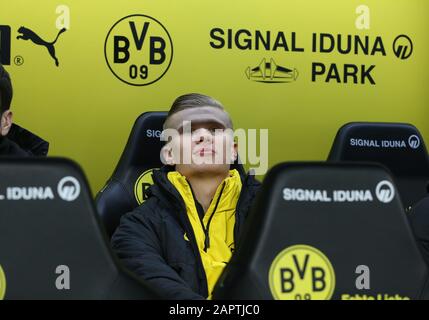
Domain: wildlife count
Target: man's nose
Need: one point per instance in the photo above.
(203, 135)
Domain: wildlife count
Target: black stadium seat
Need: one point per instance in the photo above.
(124, 191)
(51, 243)
(314, 230)
(399, 147)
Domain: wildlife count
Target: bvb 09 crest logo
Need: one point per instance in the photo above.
(301, 272)
(138, 50)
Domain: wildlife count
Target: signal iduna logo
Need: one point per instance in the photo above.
(385, 191)
(301, 272)
(138, 50)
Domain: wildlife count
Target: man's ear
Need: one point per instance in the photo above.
(167, 157)
(6, 122)
(234, 153)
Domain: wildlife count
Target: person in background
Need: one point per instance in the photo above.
(14, 140)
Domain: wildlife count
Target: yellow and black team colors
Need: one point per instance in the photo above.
(171, 243)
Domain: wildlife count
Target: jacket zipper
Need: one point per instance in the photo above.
(207, 229)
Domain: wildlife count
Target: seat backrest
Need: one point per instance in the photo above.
(125, 190)
(51, 243)
(397, 146)
(322, 231)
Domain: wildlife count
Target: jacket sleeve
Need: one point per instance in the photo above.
(137, 245)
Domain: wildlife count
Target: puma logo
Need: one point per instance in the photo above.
(27, 34)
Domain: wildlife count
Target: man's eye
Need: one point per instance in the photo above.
(218, 130)
(213, 130)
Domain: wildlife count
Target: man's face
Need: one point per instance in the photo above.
(203, 147)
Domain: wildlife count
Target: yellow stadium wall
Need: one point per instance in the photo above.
(86, 112)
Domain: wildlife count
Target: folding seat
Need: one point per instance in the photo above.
(125, 190)
(326, 231)
(52, 245)
(398, 146)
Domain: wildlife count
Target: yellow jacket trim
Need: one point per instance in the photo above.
(221, 228)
